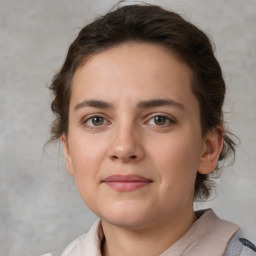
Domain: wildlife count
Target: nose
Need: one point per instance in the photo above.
(126, 145)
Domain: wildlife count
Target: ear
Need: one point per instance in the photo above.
(212, 146)
(67, 154)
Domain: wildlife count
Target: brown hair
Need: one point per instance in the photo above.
(150, 23)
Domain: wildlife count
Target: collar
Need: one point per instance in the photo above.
(88, 244)
(209, 235)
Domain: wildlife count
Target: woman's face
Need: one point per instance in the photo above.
(134, 142)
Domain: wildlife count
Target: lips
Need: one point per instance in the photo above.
(126, 183)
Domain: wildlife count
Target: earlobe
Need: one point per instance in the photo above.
(212, 147)
(68, 159)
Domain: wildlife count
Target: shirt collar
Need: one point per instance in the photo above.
(209, 235)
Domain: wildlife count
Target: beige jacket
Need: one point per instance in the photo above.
(208, 236)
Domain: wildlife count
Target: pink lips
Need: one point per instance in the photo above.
(126, 183)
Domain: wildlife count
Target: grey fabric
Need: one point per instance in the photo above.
(239, 245)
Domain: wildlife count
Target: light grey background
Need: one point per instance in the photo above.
(40, 210)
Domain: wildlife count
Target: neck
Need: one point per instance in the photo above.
(152, 240)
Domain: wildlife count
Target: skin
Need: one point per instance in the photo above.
(160, 142)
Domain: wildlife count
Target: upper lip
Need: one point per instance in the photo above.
(126, 178)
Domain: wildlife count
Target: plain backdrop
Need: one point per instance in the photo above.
(40, 209)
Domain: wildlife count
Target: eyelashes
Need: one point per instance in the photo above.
(98, 121)
(95, 121)
(160, 120)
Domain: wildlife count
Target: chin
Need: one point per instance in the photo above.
(126, 218)
(131, 223)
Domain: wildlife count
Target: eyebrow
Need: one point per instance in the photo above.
(93, 104)
(142, 104)
(159, 103)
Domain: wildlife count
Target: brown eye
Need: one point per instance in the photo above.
(97, 120)
(160, 120)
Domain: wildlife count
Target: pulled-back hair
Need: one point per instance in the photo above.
(150, 23)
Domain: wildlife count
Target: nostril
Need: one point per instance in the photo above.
(116, 157)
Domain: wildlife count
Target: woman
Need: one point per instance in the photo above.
(138, 106)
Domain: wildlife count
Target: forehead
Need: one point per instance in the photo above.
(134, 69)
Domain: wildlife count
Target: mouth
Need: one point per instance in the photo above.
(126, 183)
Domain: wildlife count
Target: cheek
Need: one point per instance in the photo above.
(85, 151)
(178, 152)
(87, 157)
(177, 159)
(177, 171)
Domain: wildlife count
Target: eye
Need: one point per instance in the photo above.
(95, 121)
(160, 120)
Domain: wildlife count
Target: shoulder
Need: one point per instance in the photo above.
(233, 240)
(241, 244)
(73, 248)
(87, 244)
